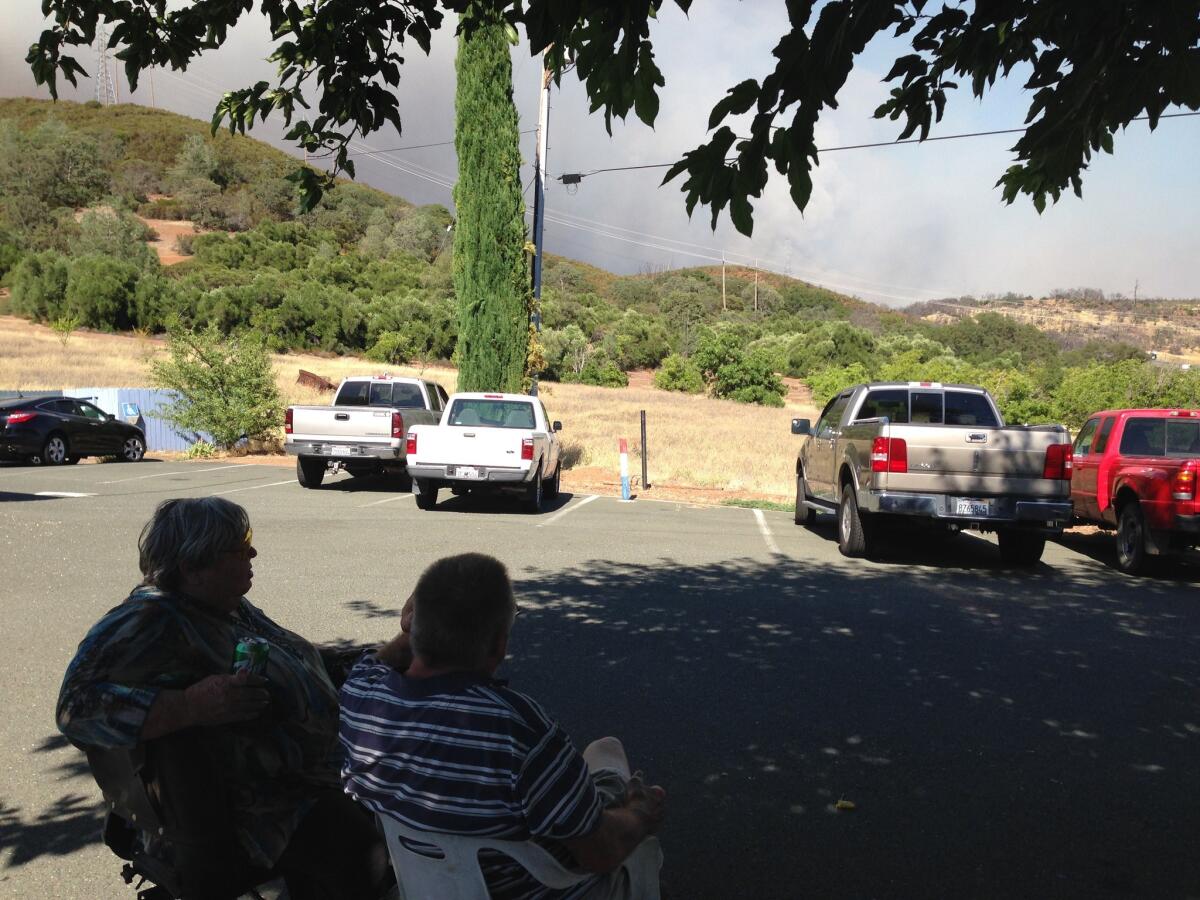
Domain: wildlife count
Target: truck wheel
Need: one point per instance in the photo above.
(853, 536)
(426, 493)
(1021, 548)
(553, 484)
(804, 516)
(534, 494)
(1131, 539)
(310, 471)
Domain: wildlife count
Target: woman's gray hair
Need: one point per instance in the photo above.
(188, 533)
(461, 606)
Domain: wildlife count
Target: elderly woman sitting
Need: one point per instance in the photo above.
(161, 664)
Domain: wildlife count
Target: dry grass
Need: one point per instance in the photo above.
(693, 441)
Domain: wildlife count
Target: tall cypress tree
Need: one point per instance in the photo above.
(491, 271)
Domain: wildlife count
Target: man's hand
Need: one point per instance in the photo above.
(221, 699)
(648, 802)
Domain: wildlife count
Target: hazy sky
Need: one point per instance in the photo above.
(893, 224)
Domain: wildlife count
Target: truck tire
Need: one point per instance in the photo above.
(534, 494)
(853, 534)
(425, 492)
(1021, 548)
(1132, 558)
(554, 483)
(310, 471)
(804, 515)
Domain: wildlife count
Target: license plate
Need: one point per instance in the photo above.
(981, 508)
(469, 472)
(340, 450)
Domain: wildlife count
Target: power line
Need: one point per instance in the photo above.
(574, 177)
(423, 146)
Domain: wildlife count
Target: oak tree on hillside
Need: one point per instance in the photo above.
(1091, 69)
(491, 273)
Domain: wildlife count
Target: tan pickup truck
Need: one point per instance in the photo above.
(937, 452)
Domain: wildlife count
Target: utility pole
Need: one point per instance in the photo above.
(539, 202)
(723, 306)
(1136, 284)
(105, 94)
(756, 284)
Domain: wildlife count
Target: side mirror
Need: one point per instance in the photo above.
(801, 426)
(557, 426)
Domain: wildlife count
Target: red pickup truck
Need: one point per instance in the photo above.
(1135, 471)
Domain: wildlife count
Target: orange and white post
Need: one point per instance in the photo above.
(623, 447)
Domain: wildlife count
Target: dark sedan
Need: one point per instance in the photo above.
(54, 431)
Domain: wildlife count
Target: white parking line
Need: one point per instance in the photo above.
(766, 532)
(253, 487)
(165, 474)
(61, 494)
(562, 512)
(385, 500)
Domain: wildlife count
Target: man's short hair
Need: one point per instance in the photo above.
(461, 606)
(191, 533)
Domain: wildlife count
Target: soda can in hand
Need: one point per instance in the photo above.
(251, 655)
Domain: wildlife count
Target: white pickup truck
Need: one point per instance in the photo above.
(487, 443)
(363, 431)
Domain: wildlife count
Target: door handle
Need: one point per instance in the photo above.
(342, 417)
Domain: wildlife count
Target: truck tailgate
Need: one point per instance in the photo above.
(471, 446)
(976, 461)
(311, 423)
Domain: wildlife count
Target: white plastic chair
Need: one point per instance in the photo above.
(457, 875)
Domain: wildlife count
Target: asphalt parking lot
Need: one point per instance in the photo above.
(1000, 733)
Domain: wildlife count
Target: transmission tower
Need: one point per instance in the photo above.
(105, 94)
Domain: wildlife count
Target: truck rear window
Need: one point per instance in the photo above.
(1144, 437)
(1183, 438)
(380, 393)
(892, 403)
(966, 408)
(492, 413)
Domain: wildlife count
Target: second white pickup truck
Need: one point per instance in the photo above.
(487, 443)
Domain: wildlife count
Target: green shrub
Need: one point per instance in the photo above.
(100, 292)
(39, 285)
(750, 380)
(603, 373)
(827, 382)
(225, 387)
(679, 374)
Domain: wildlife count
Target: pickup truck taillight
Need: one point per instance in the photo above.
(527, 448)
(1060, 462)
(397, 425)
(1183, 485)
(410, 445)
(287, 421)
(889, 455)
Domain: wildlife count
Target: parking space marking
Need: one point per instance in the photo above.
(61, 494)
(385, 500)
(562, 512)
(766, 532)
(165, 474)
(253, 487)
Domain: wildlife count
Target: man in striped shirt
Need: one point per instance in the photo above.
(433, 740)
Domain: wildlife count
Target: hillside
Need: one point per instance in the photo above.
(1168, 328)
(368, 274)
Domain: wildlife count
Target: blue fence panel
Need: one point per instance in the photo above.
(142, 407)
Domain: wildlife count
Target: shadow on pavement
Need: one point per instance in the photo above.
(1102, 547)
(1001, 733)
(492, 504)
(72, 821)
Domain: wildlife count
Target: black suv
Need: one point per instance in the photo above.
(54, 431)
